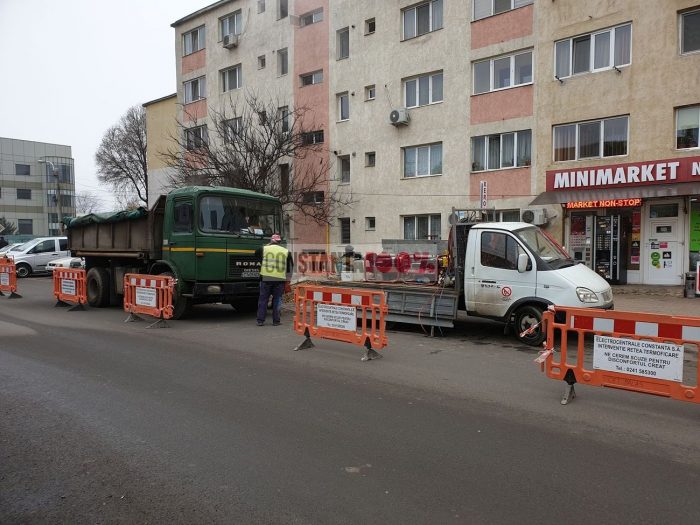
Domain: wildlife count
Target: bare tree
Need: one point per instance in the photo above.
(86, 202)
(256, 145)
(7, 227)
(121, 156)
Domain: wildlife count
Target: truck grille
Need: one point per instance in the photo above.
(243, 267)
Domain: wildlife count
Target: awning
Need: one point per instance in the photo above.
(630, 192)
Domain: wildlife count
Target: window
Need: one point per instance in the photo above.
(423, 90)
(484, 8)
(63, 244)
(24, 194)
(312, 78)
(343, 39)
(598, 138)
(499, 250)
(422, 18)
(196, 137)
(67, 200)
(419, 161)
(182, 217)
(344, 230)
(370, 26)
(283, 118)
(195, 90)
(261, 6)
(282, 62)
(230, 213)
(261, 62)
(312, 137)
(505, 150)
(282, 9)
(508, 215)
(690, 31)
(344, 169)
(284, 178)
(21, 169)
(421, 227)
(53, 218)
(231, 78)
(659, 211)
(370, 223)
(232, 127)
(370, 92)
(370, 159)
(311, 18)
(503, 72)
(343, 106)
(593, 52)
(44, 247)
(193, 41)
(62, 173)
(231, 25)
(314, 197)
(25, 227)
(687, 126)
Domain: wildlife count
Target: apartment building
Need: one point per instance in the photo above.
(161, 129)
(37, 185)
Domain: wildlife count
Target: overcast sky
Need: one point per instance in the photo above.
(70, 68)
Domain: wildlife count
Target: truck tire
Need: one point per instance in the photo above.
(525, 317)
(97, 283)
(181, 305)
(23, 270)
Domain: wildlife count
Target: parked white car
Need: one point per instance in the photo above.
(33, 256)
(66, 262)
(7, 248)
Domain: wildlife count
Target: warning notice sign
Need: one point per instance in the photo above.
(146, 297)
(5, 279)
(638, 357)
(68, 287)
(336, 316)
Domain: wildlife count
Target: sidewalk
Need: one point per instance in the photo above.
(667, 300)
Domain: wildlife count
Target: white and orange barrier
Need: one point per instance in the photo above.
(634, 351)
(8, 278)
(69, 286)
(341, 314)
(149, 295)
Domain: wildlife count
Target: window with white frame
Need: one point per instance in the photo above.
(343, 106)
(195, 137)
(344, 169)
(312, 137)
(195, 89)
(343, 43)
(231, 24)
(232, 127)
(371, 159)
(503, 72)
(422, 161)
(309, 79)
(484, 8)
(370, 26)
(690, 31)
(503, 150)
(421, 19)
(370, 92)
(687, 126)
(231, 78)
(370, 223)
(193, 41)
(282, 62)
(421, 227)
(507, 215)
(607, 49)
(423, 90)
(591, 139)
(312, 17)
(314, 197)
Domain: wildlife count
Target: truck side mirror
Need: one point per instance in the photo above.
(523, 262)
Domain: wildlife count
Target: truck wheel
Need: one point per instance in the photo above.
(181, 305)
(97, 281)
(23, 270)
(525, 317)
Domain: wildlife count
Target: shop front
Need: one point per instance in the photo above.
(636, 223)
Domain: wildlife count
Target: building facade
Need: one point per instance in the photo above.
(161, 128)
(37, 186)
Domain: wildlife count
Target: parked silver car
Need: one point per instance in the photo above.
(33, 256)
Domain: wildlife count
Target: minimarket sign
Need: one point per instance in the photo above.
(686, 169)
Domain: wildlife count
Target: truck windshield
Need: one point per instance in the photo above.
(545, 247)
(240, 216)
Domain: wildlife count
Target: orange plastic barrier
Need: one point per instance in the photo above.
(69, 286)
(8, 278)
(149, 295)
(634, 351)
(333, 313)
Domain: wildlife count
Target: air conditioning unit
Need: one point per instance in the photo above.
(230, 41)
(399, 117)
(536, 216)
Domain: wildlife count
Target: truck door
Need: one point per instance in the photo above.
(181, 239)
(497, 282)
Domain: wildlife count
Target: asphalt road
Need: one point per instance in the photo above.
(216, 420)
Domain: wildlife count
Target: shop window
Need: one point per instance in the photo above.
(660, 211)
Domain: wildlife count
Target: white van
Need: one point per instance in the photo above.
(33, 256)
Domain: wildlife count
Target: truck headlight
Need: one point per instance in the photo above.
(586, 296)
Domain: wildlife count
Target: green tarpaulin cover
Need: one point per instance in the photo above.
(102, 218)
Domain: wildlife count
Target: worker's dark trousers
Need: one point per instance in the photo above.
(267, 288)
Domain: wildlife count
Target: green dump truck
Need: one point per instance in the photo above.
(204, 237)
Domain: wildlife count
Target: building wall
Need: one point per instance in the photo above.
(161, 127)
(37, 209)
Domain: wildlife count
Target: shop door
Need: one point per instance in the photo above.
(664, 252)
